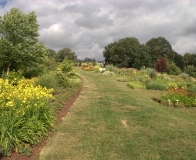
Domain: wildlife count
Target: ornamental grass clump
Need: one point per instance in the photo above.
(25, 114)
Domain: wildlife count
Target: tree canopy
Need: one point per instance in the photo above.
(19, 46)
(159, 48)
(66, 52)
(127, 52)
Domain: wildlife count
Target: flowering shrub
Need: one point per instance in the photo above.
(25, 114)
(96, 68)
(181, 85)
(182, 95)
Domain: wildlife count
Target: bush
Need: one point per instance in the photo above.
(25, 114)
(161, 65)
(96, 68)
(192, 89)
(136, 85)
(108, 73)
(122, 79)
(156, 85)
(111, 68)
(185, 76)
(47, 80)
(62, 79)
(13, 77)
(152, 73)
(191, 70)
(66, 66)
(87, 69)
(173, 69)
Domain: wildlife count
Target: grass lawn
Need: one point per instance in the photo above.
(111, 121)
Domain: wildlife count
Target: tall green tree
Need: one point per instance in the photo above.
(19, 46)
(107, 52)
(189, 59)
(178, 60)
(160, 48)
(66, 52)
(51, 53)
(127, 52)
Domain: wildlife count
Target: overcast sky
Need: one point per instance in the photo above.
(87, 26)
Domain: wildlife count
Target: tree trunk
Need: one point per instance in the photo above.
(8, 67)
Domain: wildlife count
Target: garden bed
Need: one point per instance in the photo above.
(37, 148)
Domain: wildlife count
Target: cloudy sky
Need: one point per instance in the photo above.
(87, 26)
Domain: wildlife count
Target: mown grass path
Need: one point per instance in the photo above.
(111, 121)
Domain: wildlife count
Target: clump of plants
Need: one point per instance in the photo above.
(25, 114)
(108, 73)
(122, 79)
(47, 80)
(178, 95)
(96, 68)
(136, 85)
(156, 85)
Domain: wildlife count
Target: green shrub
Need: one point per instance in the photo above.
(111, 68)
(122, 79)
(66, 65)
(96, 68)
(13, 77)
(185, 76)
(136, 85)
(62, 79)
(47, 80)
(192, 89)
(152, 73)
(156, 85)
(90, 64)
(173, 69)
(73, 74)
(191, 70)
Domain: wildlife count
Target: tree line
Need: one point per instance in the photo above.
(129, 53)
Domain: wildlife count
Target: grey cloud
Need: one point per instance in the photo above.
(87, 26)
(93, 21)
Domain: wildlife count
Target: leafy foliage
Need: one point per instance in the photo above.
(156, 85)
(66, 52)
(161, 65)
(191, 70)
(173, 69)
(160, 47)
(19, 47)
(187, 98)
(136, 85)
(47, 80)
(127, 52)
(25, 114)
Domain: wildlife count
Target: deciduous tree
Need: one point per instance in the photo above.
(66, 52)
(19, 46)
(159, 48)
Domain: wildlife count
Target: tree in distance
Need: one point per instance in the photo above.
(66, 52)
